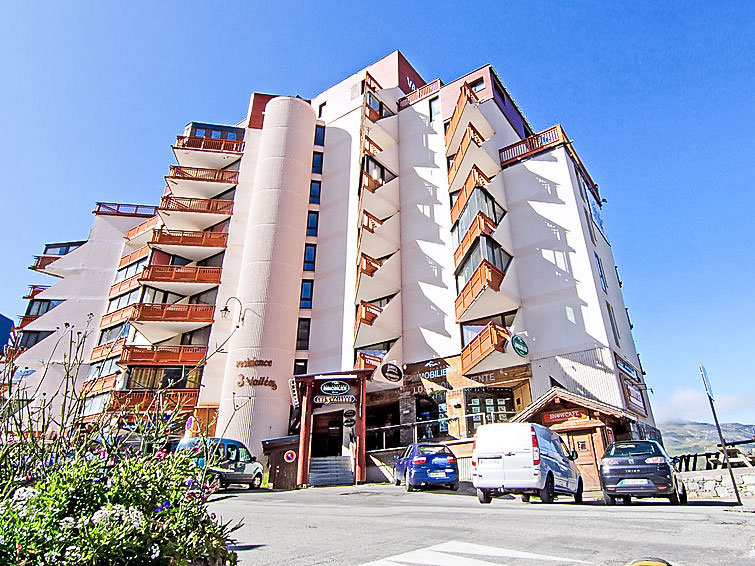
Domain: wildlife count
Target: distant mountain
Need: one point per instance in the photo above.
(687, 438)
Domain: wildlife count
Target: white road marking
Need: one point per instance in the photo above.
(482, 550)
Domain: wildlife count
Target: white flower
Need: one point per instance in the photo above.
(51, 557)
(67, 523)
(154, 551)
(23, 494)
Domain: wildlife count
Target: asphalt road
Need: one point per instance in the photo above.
(383, 525)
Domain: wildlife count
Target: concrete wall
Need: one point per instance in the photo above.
(716, 484)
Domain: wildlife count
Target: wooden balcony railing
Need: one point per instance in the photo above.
(466, 96)
(370, 183)
(42, 261)
(116, 317)
(189, 238)
(181, 274)
(124, 286)
(107, 350)
(366, 313)
(34, 290)
(134, 256)
(142, 228)
(163, 355)
(164, 312)
(370, 147)
(480, 225)
(471, 135)
(532, 145)
(119, 209)
(201, 174)
(209, 144)
(370, 222)
(419, 94)
(370, 81)
(26, 319)
(179, 204)
(368, 265)
(367, 361)
(490, 339)
(476, 178)
(147, 400)
(486, 275)
(99, 385)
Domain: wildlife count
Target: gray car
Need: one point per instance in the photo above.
(235, 464)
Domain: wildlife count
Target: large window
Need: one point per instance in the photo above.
(310, 251)
(124, 300)
(130, 270)
(434, 108)
(376, 170)
(152, 295)
(305, 297)
(312, 221)
(479, 201)
(104, 367)
(377, 105)
(314, 192)
(113, 333)
(485, 248)
(38, 307)
(471, 329)
(182, 377)
(601, 275)
(31, 337)
(317, 162)
(300, 367)
(302, 334)
(319, 135)
(614, 326)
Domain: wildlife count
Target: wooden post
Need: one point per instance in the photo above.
(305, 430)
(361, 463)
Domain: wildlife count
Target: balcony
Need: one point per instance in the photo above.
(370, 147)
(141, 253)
(193, 245)
(419, 94)
(367, 361)
(34, 290)
(161, 321)
(532, 145)
(163, 355)
(378, 238)
(480, 297)
(124, 286)
(119, 209)
(193, 214)
(181, 279)
(378, 278)
(116, 317)
(375, 324)
(42, 262)
(26, 319)
(470, 153)
(138, 235)
(207, 153)
(480, 225)
(107, 350)
(378, 196)
(466, 112)
(197, 182)
(476, 178)
(487, 350)
(146, 400)
(99, 385)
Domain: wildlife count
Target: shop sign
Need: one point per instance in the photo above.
(566, 415)
(349, 414)
(334, 387)
(435, 371)
(335, 399)
(391, 372)
(520, 346)
(257, 381)
(253, 362)
(289, 456)
(627, 368)
(634, 396)
(349, 423)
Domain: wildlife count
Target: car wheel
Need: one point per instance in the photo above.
(674, 497)
(608, 499)
(454, 486)
(579, 492)
(525, 498)
(256, 482)
(484, 495)
(547, 494)
(683, 495)
(409, 486)
(396, 479)
(626, 500)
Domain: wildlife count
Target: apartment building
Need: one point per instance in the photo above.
(413, 252)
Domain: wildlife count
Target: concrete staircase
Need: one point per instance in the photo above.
(332, 470)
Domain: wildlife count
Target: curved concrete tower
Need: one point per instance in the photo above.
(255, 398)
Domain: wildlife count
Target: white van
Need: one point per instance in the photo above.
(523, 458)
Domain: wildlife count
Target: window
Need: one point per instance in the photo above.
(310, 251)
(124, 300)
(317, 162)
(113, 333)
(130, 270)
(600, 273)
(590, 228)
(479, 201)
(485, 248)
(472, 328)
(314, 192)
(614, 327)
(319, 135)
(300, 367)
(305, 298)
(377, 171)
(320, 110)
(477, 85)
(302, 334)
(215, 135)
(31, 337)
(312, 221)
(434, 108)
(38, 307)
(200, 132)
(230, 136)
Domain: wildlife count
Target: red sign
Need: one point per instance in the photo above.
(289, 456)
(566, 415)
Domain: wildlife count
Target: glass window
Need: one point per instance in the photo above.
(200, 132)
(113, 333)
(434, 108)
(319, 135)
(614, 327)
(300, 367)
(377, 171)
(302, 334)
(310, 251)
(317, 162)
(320, 110)
(600, 273)
(215, 135)
(312, 220)
(305, 298)
(479, 201)
(471, 329)
(130, 270)
(314, 192)
(230, 136)
(244, 456)
(478, 85)
(31, 337)
(38, 307)
(484, 248)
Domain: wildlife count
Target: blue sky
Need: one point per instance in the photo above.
(658, 100)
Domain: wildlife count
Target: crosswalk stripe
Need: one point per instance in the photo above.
(432, 558)
(482, 550)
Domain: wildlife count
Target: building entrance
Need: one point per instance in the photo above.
(327, 434)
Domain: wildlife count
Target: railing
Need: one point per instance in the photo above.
(371, 114)
(42, 261)
(470, 135)
(370, 222)
(34, 290)
(179, 204)
(370, 183)
(486, 275)
(368, 265)
(370, 147)
(366, 313)
(201, 174)
(480, 225)
(142, 228)
(124, 286)
(159, 312)
(370, 81)
(155, 400)
(476, 178)
(466, 95)
(116, 317)
(163, 355)
(107, 350)
(181, 274)
(134, 256)
(209, 144)
(118, 209)
(490, 339)
(26, 319)
(189, 238)
(98, 385)
(367, 361)
(419, 94)
(532, 145)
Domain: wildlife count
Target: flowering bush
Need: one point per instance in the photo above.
(141, 510)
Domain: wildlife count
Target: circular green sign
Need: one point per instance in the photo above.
(520, 346)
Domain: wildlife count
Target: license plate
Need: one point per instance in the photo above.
(634, 482)
(437, 474)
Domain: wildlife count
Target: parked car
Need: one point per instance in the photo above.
(235, 462)
(427, 464)
(639, 468)
(523, 458)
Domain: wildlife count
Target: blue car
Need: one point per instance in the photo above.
(427, 464)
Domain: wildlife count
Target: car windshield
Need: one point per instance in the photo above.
(424, 450)
(634, 449)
